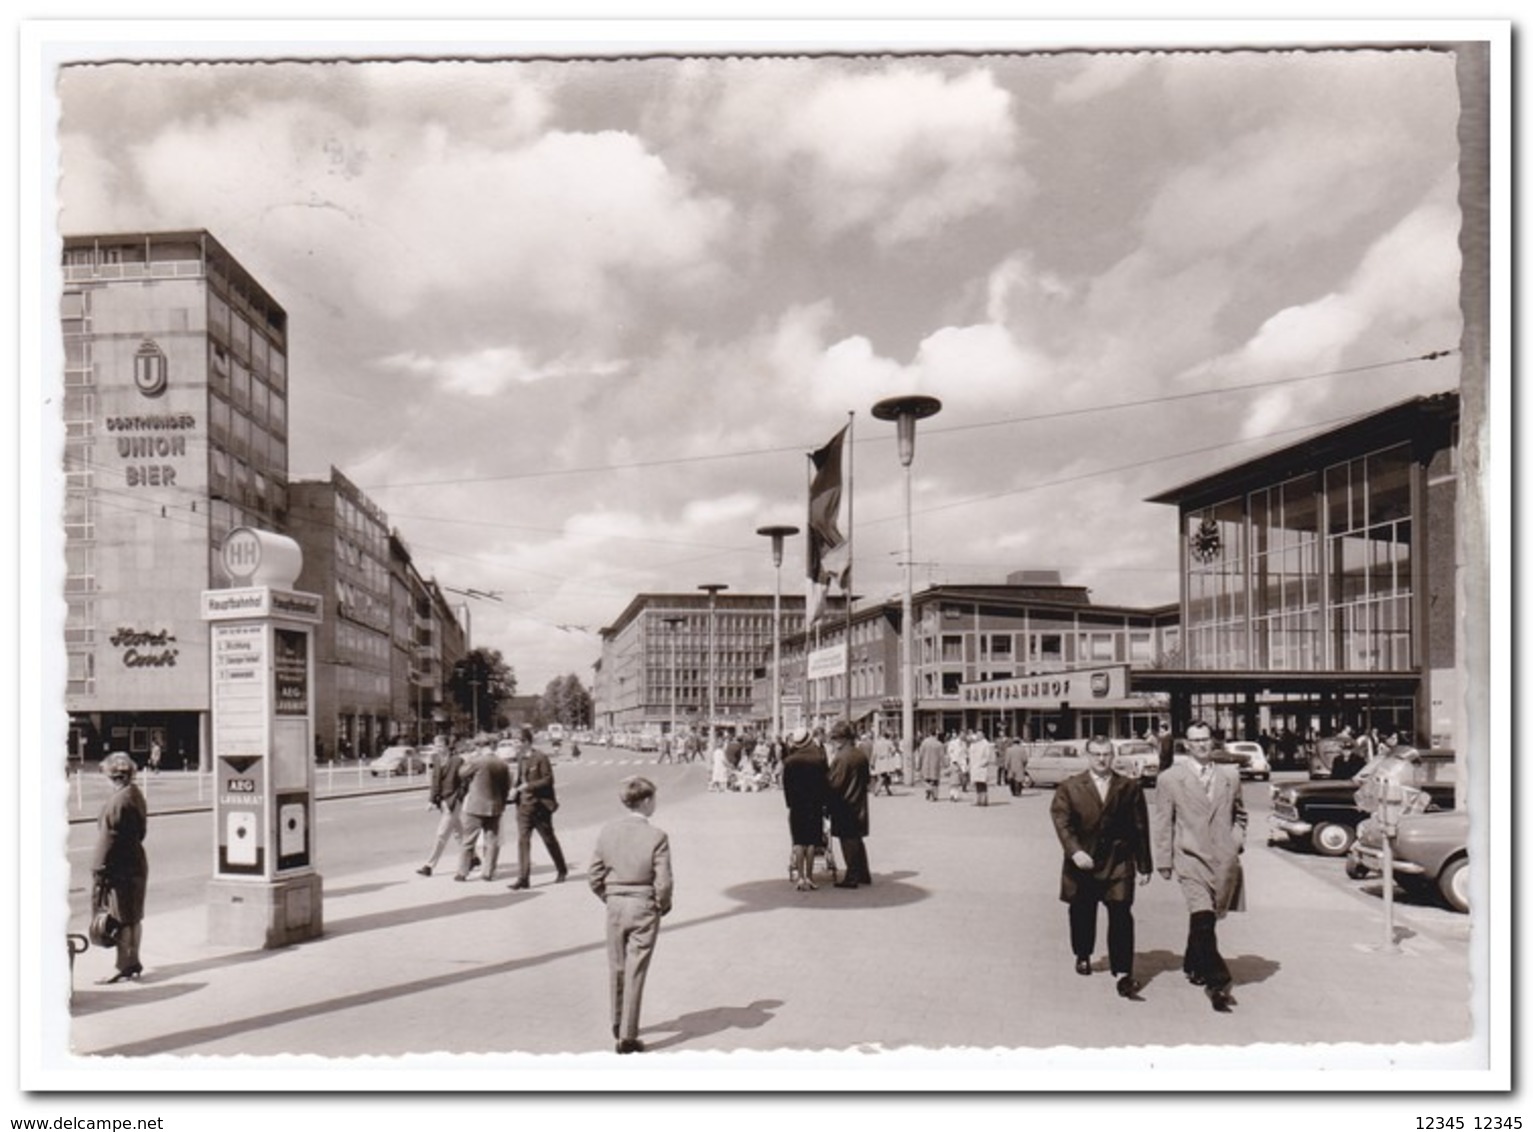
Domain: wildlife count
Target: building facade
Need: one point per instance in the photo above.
(973, 646)
(1318, 582)
(176, 424)
(655, 670)
(345, 540)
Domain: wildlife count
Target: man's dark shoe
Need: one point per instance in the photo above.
(459, 876)
(1221, 998)
(1194, 978)
(630, 1045)
(847, 883)
(562, 877)
(1127, 987)
(517, 885)
(1083, 966)
(424, 870)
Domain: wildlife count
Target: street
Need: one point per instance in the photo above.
(960, 942)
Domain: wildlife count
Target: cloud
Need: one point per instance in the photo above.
(901, 151)
(488, 373)
(1100, 75)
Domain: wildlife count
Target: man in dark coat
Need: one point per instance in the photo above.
(535, 806)
(1104, 829)
(848, 784)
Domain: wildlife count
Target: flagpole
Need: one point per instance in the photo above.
(846, 588)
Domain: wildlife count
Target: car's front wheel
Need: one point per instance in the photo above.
(1453, 884)
(1332, 839)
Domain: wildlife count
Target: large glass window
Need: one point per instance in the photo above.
(1217, 587)
(1368, 553)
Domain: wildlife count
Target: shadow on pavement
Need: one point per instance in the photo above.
(1245, 969)
(146, 990)
(888, 890)
(705, 1023)
(309, 1011)
(396, 917)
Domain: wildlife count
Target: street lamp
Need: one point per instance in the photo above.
(905, 411)
(673, 624)
(777, 534)
(713, 589)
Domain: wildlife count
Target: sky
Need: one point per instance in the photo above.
(574, 324)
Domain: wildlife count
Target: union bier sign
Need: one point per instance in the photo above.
(1077, 686)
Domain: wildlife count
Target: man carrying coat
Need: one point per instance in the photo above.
(484, 801)
(1104, 828)
(1200, 831)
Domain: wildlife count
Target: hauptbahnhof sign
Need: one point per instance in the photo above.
(1076, 687)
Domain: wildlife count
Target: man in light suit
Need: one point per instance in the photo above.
(1200, 831)
(489, 784)
(631, 873)
(535, 806)
(1104, 828)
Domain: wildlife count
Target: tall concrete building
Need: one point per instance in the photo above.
(175, 413)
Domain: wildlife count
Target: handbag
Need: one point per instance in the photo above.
(104, 928)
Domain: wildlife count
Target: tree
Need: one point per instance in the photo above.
(479, 684)
(566, 701)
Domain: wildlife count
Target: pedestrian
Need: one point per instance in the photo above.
(156, 753)
(958, 765)
(447, 789)
(981, 760)
(847, 780)
(535, 805)
(1167, 747)
(485, 791)
(631, 873)
(1199, 833)
(1103, 826)
(119, 866)
(1016, 766)
(718, 778)
(886, 762)
(805, 771)
(932, 757)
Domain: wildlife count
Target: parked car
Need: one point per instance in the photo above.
(1248, 757)
(1052, 763)
(397, 760)
(1137, 758)
(1431, 854)
(1323, 815)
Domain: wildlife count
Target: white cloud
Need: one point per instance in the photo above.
(1100, 75)
(901, 152)
(490, 372)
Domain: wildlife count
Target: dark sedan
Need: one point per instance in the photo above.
(1322, 814)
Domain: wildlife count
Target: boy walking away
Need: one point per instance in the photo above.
(631, 873)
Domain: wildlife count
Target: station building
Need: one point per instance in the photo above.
(1033, 658)
(1318, 583)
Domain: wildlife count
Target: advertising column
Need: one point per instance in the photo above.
(264, 892)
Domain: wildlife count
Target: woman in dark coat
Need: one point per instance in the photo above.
(804, 788)
(119, 867)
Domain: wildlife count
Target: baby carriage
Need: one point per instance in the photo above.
(823, 852)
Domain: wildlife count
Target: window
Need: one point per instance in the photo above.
(81, 678)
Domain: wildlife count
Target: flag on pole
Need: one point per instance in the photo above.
(829, 551)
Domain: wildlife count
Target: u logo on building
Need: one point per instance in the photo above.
(150, 369)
